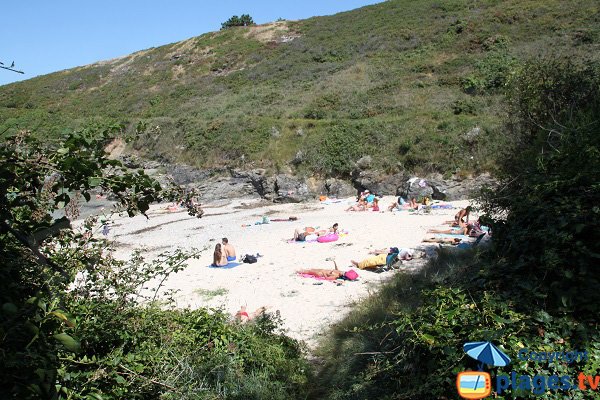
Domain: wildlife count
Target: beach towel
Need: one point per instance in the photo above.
(228, 266)
(319, 278)
(452, 236)
(442, 206)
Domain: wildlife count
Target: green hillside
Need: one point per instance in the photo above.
(402, 81)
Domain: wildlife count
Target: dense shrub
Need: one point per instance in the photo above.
(75, 323)
(533, 288)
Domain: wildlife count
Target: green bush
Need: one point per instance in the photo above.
(534, 287)
(75, 323)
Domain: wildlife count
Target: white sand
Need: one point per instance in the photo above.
(307, 306)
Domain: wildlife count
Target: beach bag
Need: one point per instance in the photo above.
(351, 275)
(249, 259)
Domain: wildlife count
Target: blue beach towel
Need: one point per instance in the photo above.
(228, 266)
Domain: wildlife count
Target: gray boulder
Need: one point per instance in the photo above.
(263, 185)
(290, 189)
(377, 182)
(338, 188)
(466, 188)
(415, 187)
(226, 188)
(185, 174)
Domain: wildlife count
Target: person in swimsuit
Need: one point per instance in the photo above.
(228, 250)
(328, 274)
(243, 316)
(334, 229)
(457, 230)
(219, 257)
(462, 217)
(452, 241)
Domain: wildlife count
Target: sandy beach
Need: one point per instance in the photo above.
(307, 306)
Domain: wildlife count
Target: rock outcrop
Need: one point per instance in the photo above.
(288, 188)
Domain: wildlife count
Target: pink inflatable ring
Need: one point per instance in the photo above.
(332, 237)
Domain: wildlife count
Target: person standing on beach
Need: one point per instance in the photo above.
(228, 250)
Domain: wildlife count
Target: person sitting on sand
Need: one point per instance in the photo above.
(334, 229)
(219, 257)
(413, 204)
(243, 316)
(375, 206)
(369, 197)
(399, 204)
(329, 274)
(228, 250)
(457, 230)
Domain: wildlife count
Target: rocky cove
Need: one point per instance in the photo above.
(224, 183)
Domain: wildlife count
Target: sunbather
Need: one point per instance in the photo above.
(243, 316)
(457, 230)
(329, 274)
(403, 253)
(462, 217)
(442, 240)
(375, 205)
(334, 228)
(371, 262)
(360, 206)
(219, 257)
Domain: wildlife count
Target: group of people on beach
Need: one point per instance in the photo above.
(369, 201)
(377, 260)
(365, 201)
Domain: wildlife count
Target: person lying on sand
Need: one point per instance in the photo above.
(329, 274)
(457, 230)
(452, 241)
(243, 316)
(403, 253)
(360, 206)
(371, 262)
(300, 234)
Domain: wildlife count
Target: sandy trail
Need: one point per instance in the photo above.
(307, 306)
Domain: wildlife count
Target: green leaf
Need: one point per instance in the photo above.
(428, 338)
(68, 341)
(94, 181)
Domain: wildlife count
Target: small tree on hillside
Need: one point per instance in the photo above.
(244, 20)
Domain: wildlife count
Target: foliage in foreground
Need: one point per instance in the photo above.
(75, 323)
(534, 288)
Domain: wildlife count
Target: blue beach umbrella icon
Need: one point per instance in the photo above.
(486, 353)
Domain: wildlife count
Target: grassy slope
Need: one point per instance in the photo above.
(385, 80)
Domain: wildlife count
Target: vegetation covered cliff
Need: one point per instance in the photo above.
(402, 81)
